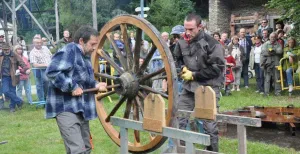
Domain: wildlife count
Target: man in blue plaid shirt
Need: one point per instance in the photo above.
(69, 72)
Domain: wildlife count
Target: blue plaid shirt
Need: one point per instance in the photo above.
(70, 69)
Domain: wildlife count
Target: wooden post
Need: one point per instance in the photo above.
(39, 25)
(4, 23)
(14, 18)
(56, 20)
(94, 9)
(242, 139)
(124, 140)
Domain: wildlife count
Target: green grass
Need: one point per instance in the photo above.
(28, 132)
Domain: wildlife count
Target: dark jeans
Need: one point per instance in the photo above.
(245, 72)
(41, 83)
(259, 77)
(10, 91)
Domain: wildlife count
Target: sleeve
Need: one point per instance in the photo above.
(278, 49)
(32, 57)
(215, 64)
(22, 64)
(59, 71)
(178, 55)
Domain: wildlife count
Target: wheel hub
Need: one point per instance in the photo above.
(129, 85)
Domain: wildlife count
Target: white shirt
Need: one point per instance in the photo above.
(236, 53)
(257, 52)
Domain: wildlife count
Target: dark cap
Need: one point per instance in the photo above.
(5, 46)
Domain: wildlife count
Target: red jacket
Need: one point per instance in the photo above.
(23, 75)
(230, 59)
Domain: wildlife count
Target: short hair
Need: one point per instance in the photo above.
(193, 16)
(273, 33)
(85, 32)
(295, 41)
(265, 30)
(164, 33)
(280, 31)
(217, 33)
(265, 20)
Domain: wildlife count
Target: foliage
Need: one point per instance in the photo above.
(165, 14)
(291, 12)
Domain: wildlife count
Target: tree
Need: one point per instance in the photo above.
(165, 14)
(290, 12)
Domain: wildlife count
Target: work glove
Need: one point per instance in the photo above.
(187, 75)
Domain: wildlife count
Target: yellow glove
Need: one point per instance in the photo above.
(187, 75)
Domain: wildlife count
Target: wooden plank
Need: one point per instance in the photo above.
(242, 139)
(230, 119)
(205, 103)
(154, 113)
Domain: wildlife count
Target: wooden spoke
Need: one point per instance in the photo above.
(127, 47)
(115, 109)
(159, 78)
(102, 75)
(110, 61)
(153, 91)
(140, 104)
(128, 109)
(148, 76)
(137, 49)
(137, 118)
(105, 95)
(147, 60)
(117, 50)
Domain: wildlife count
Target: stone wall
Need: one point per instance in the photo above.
(220, 12)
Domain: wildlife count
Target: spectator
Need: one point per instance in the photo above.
(238, 53)
(291, 52)
(224, 39)
(65, 40)
(264, 26)
(40, 58)
(217, 36)
(255, 64)
(165, 37)
(280, 40)
(2, 41)
(278, 27)
(10, 63)
(24, 76)
(265, 36)
(246, 43)
(271, 54)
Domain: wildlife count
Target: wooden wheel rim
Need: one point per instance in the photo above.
(169, 65)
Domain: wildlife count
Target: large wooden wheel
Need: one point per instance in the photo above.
(130, 88)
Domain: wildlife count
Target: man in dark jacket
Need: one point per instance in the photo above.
(10, 63)
(246, 43)
(204, 63)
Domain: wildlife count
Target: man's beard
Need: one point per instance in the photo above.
(86, 51)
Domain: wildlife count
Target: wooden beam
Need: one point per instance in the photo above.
(39, 25)
(94, 10)
(20, 5)
(56, 20)
(7, 5)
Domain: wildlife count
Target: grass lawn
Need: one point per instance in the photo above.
(28, 132)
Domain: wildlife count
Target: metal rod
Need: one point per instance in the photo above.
(94, 11)
(56, 21)
(105, 94)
